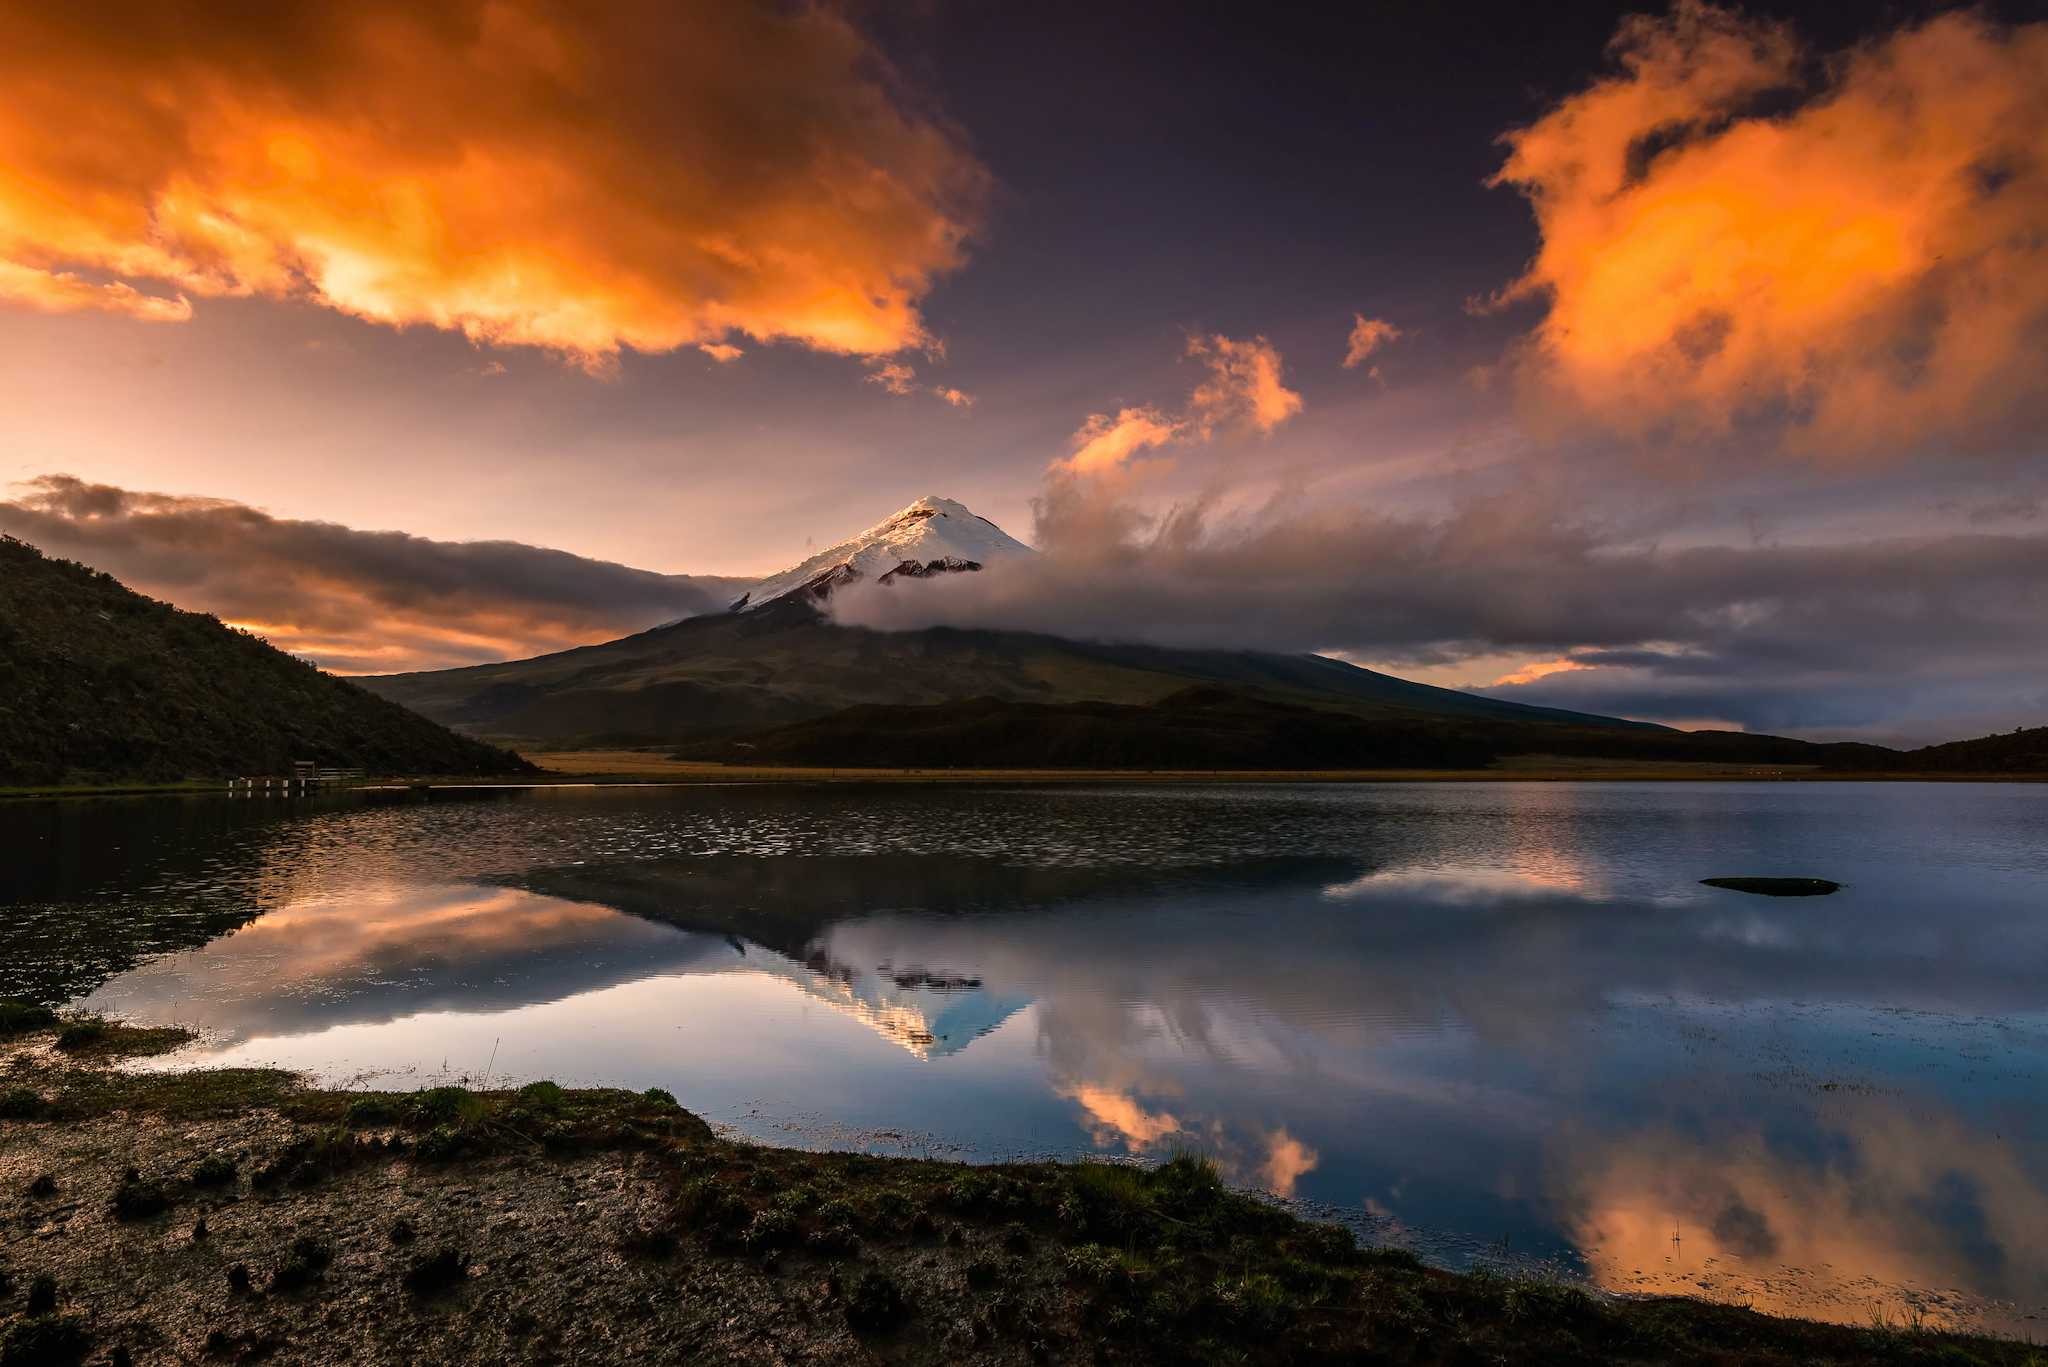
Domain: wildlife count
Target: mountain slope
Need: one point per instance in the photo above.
(785, 661)
(98, 682)
(776, 657)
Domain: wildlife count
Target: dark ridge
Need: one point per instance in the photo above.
(786, 661)
(99, 683)
(2019, 751)
(1215, 728)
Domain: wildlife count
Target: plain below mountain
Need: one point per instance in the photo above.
(1212, 728)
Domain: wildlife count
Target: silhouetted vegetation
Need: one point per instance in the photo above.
(1213, 728)
(2013, 752)
(1203, 728)
(98, 683)
(1209, 728)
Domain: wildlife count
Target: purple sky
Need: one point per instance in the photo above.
(1704, 386)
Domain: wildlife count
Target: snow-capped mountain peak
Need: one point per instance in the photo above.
(931, 536)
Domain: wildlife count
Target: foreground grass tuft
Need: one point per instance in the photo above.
(45, 1341)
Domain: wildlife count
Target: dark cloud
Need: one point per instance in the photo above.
(1825, 635)
(357, 601)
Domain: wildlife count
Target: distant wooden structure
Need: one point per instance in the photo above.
(307, 776)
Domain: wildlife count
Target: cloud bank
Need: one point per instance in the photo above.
(525, 172)
(1862, 272)
(353, 601)
(1816, 637)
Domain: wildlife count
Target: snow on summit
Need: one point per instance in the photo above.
(931, 536)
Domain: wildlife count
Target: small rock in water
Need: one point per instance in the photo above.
(1776, 887)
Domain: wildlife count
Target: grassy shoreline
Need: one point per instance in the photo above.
(239, 1215)
(626, 768)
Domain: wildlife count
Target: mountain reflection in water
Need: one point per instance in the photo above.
(1484, 1023)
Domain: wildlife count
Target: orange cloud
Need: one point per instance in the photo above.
(896, 377)
(49, 291)
(959, 398)
(1244, 388)
(722, 352)
(1105, 444)
(1244, 384)
(525, 172)
(1367, 336)
(1867, 268)
(1539, 669)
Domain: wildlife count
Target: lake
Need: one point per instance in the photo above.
(1497, 1023)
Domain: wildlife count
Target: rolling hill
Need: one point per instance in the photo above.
(99, 683)
(2023, 751)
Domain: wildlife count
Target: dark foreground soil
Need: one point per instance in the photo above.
(238, 1217)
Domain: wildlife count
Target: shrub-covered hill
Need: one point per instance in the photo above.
(2013, 752)
(98, 683)
(1214, 728)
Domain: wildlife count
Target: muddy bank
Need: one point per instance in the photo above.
(236, 1217)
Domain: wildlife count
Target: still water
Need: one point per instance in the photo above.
(1493, 1022)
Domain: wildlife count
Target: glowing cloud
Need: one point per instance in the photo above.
(1105, 444)
(722, 352)
(894, 376)
(50, 291)
(1867, 268)
(959, 398)
(1244, 389)
(1367, 336)
(525, 172)
(1538, 669)
(1243, 386)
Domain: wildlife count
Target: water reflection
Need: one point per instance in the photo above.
(390, 951)
(1871, 1200)
(1481, 1021)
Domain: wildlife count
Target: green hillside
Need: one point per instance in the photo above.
(733, 673)
(98, 683)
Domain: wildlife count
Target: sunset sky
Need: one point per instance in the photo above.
(1686, 364)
